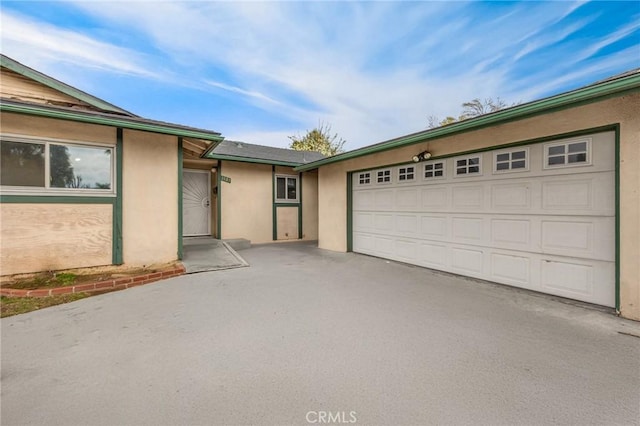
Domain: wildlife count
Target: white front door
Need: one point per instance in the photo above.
(540, 216)
(196, 203)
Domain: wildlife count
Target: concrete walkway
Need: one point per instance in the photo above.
(305, 331)
(204, 254)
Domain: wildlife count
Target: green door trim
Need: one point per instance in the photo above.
(180, 189)
(118, 257)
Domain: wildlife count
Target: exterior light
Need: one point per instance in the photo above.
(424, 155)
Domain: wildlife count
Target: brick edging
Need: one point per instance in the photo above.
(113, 284)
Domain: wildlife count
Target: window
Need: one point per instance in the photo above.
(467, 166)
(406, 173)
(47, 166)
(434, 170)
(516, 160)
(287, 188)
(364, 178)
(384, 176)
(567, 154)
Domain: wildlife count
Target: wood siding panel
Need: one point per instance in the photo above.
(15, 86)
(41, 237)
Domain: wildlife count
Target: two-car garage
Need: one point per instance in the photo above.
(539, 216)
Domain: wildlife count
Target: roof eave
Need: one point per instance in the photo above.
(249, 160)
(133, 123)
(51, 82)
(586, 94)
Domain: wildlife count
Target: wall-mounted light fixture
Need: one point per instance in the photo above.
(424, 155)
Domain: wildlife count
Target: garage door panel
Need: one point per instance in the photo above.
(511, 233)
(547, 228)
(406, 224)
(407, 199)
(468, 229)
(468, 198)
(511, 269)
(434, 227)
(511, 196)
(434, 255)
(468, 261)
(434, 199)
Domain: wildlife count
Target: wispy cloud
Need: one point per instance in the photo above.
(374, 70)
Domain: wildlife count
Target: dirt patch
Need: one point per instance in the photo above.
(20, 305)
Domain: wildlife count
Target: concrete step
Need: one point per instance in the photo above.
(238, 243)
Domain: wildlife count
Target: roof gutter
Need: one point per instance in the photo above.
(248, 159)
(586, 94)
(132, 123)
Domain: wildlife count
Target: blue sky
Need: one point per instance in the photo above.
(262, 71)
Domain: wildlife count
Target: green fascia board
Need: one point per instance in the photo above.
(132, 123)
(51, 82)
(588, 94)
(250, 160)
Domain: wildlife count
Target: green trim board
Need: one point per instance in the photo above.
(55, 199)
(180, 212)
(274, 214)
(568, 135)
(300, 208)
(219, 201)
(349, 211)
(249, 160)
(51, 82)
(133, 123)
(589, 94)
(118, 257)
(617, 213)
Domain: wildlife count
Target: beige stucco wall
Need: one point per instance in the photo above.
(150, 198)
(246, 201)
(19, 124)
(310, 205)
(625, 110)
(50, 237)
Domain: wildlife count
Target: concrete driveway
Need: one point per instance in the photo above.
(305, 336)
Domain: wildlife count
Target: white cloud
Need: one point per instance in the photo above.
(374, 70)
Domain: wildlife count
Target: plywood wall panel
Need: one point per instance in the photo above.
(42, 237)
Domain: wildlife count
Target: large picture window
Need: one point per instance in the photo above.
(287, 189)
(47, 166)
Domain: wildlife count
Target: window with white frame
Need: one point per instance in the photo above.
(468, 166)
(286, 189)
(434, 170)
(383, 176)
(516, 160)
(364, 178)
(406, 173)
(39, 166)
(567, 154)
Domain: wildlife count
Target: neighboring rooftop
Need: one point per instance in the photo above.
(242, 151)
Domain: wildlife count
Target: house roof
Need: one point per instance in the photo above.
(106, 119)
(251, 153)
(618, 85)
(17, 67)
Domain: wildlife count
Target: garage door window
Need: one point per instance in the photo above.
(514, 161)
(434, 170)
(384, 176)
(468, 166)
(406, 173)
(364, 178)
(567, 154)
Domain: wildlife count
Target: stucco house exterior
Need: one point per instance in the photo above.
(85, 183)
(544, 196)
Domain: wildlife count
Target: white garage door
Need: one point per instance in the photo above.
(540, 216)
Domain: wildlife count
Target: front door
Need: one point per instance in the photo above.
(196, 203)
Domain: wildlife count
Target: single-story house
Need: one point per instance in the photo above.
(85, 183)
(543, 196)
